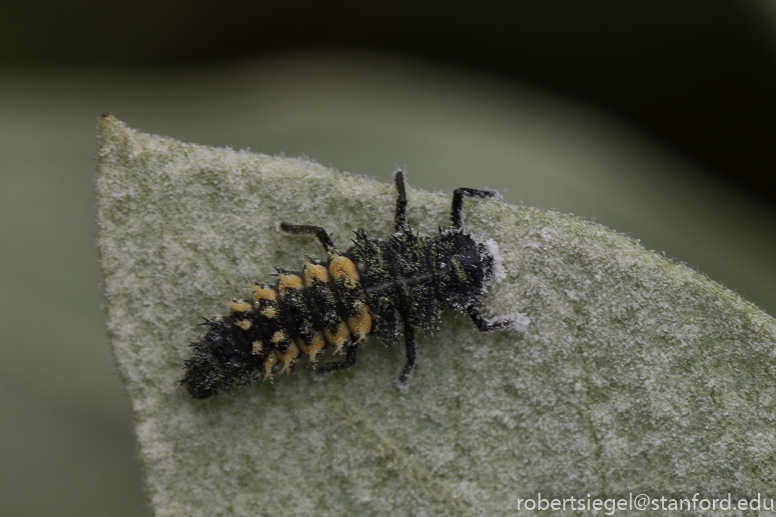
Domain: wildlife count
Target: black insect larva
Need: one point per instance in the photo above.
(382, 288)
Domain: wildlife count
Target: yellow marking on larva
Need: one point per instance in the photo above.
(288, 357)
(343, 270)
(289, 282)
(360, 323)
(316, 345)
(339, 338)
(460, 272)
(315, 272)
(258, 346)
(239, 306)
(269, 312)
(278, 337)
(263, 293)
(269, 362)
(243, 324)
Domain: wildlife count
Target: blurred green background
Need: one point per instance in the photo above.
(656, 119)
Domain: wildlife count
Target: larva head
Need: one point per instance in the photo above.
(465, 267)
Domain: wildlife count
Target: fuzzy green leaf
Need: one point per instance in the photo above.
(625, 373)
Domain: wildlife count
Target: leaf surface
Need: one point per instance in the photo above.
(626, 372)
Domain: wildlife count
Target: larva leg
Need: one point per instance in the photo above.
(350, 360)
(400, 218)
(483, 324)
(456, 215)
(410, 349)
(302, 229)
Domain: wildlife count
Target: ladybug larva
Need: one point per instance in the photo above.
(385, 288)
